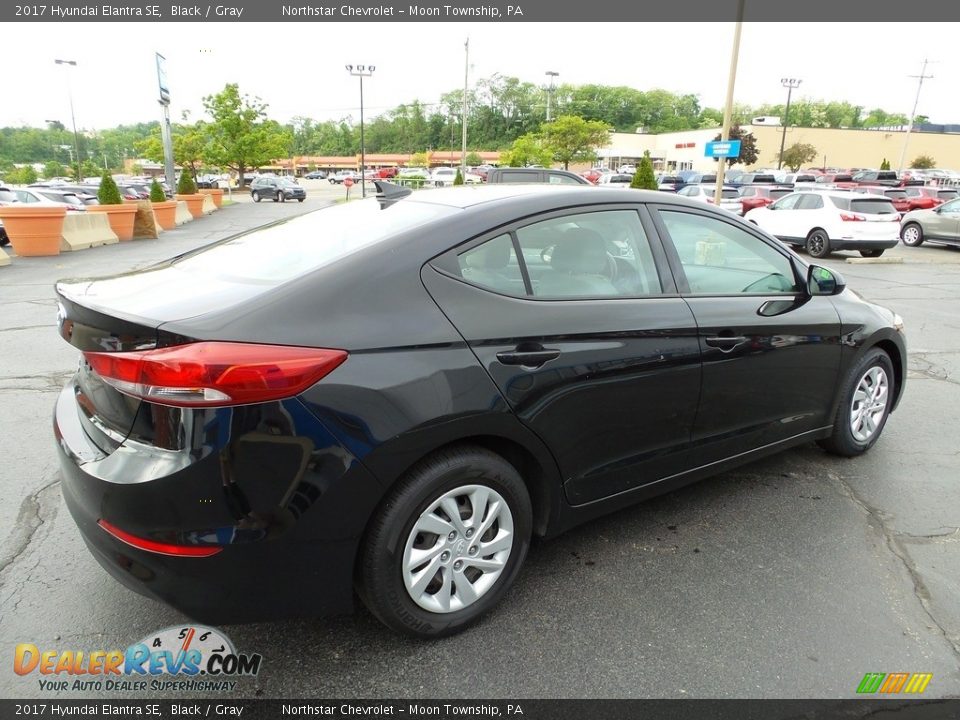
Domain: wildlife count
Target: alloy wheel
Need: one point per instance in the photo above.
(869, 404)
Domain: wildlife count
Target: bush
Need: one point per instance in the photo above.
(109, 193)
(923, 162)
(186, 185)
(156, 192)
(643, 178)
(885, 165)
(458, 180)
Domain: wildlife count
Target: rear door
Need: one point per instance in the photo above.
(576, 318)
(770, 353)
(945, 222)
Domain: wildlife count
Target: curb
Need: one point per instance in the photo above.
(875, 261)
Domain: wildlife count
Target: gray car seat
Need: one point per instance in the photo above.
(579, 266)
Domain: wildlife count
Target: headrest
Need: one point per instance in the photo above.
(580, 251)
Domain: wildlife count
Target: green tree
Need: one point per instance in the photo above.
(748, 146)
(643, 178)
(52, 169)
(418, 159)
(240, 135)
(885, 165)
(156, 192)
(186, 185)
(21, 176)
(573, 139)
(108, 192)
(528, 149)
(923, 162)
(798, 154)
(474, 159)
(458, 179)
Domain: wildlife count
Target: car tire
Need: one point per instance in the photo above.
(871, 253)
(869, 384)
(255, 195)
(281, 197)
(428, 600)
(912, 235)
(300, 199)
(818, 243)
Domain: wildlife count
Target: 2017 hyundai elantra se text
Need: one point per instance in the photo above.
(395, 394)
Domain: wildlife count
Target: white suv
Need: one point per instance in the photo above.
(826, 220)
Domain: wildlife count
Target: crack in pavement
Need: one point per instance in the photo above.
(32, 516)
(875, 517)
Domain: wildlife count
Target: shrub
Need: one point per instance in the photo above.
(156, 192)
(458, 180)
(923, 162)
(186, 184)
(109, 193)
(643, 178)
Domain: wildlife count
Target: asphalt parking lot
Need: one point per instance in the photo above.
(790, 577)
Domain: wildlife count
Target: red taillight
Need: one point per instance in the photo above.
(847, 217)
(158, 547)
(215, 374)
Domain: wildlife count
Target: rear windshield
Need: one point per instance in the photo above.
(899, 194)
(727, 194)
(779, 193)
(947, 194)
(867, 206)
(306, 243)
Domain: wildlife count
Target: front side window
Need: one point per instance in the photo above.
(787, 203)
(719, 258)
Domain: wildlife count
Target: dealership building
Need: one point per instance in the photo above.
(836, 147)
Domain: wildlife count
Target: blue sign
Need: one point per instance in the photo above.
(722, 148)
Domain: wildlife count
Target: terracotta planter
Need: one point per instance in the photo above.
(194, 204)
(34, 230)
(217, 194)
(166, 213)
(121, 218)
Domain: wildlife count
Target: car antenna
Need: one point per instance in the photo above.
(389, 193)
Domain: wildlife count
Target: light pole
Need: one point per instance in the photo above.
(789, 84)
(362, 71)
(76, 137)
(550, 74)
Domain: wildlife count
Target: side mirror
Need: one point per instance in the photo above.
(821, 281)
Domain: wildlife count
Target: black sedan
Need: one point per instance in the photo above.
(395, 394)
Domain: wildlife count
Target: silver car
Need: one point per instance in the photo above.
(939, 225)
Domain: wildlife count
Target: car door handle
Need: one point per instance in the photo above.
(726, 343)
(528, 357)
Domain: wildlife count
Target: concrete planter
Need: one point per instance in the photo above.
(166, 213)
(194, 203)
(34, 230)
(121, 218)
(215, 193)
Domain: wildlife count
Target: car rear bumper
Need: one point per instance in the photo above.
(286, 510)
(862, 244)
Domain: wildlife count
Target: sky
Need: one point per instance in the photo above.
(298, 68)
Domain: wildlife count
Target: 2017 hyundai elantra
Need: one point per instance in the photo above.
(395, 394)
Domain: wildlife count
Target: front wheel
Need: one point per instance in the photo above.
(865, 402)
(912, 235)
(871, 253)
(444, 547)
(818, 243)
(256, 196)
(300, 199)
(281, 197)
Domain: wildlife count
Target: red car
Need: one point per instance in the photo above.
(388, 172)
(754, 196)
(592, 175)
(926, 197)
(897, 196)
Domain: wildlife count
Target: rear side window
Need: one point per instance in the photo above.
(947, 194)
(519, 177)
(779, 193)
(728, 194)
(899, 194)
(493, 265)
(810, 201)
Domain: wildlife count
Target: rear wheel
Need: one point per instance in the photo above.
(818, 243)
(912, 235)
(871, 253)
(300, 199)
(281, 197)
(256, 196)
(865, 403)
(447, 543)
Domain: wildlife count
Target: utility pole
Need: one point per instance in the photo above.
(466, 79)
(913, 113)
(790, 84)
(728, 108)
(76, 136)
(551, 74)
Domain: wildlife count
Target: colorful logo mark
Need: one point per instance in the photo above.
(891, 683)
